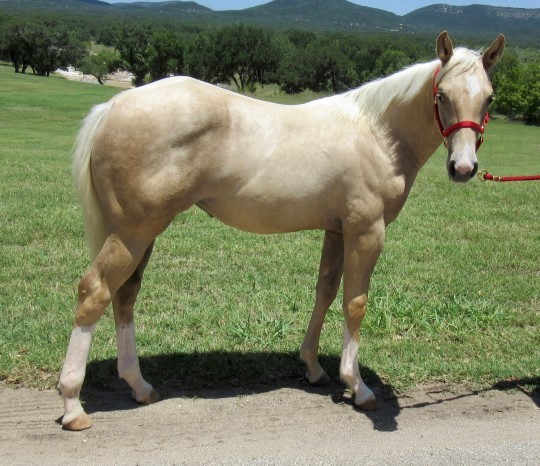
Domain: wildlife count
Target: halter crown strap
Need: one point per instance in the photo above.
(460, 124)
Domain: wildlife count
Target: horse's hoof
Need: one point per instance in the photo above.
(370, 404)
(320, 380)
(152, 397)
(81, 422)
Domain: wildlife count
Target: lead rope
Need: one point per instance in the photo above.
(483, 175)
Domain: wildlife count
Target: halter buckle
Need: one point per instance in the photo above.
(479, 142)
(481, 175)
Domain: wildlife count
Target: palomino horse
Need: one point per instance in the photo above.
(344, 164)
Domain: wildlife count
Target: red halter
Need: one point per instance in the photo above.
(460, 124)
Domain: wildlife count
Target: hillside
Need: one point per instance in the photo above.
(464, 19)
(55, 6)
(519, 24)
(317, 14)
(151, 8)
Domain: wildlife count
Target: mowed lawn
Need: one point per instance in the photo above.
(455, 297)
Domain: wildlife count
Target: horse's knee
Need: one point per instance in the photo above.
(355, 313)
(93, 298)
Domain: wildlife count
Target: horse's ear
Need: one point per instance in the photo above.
(445, 48)
(493, 54)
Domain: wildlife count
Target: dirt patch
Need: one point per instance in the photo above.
(287, 425)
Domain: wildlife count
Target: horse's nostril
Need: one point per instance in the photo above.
(475, 169)
(452, 169)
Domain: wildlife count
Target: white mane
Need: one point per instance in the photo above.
(371, 101)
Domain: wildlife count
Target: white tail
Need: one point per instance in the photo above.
(94, 223)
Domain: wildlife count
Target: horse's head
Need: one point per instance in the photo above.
(462, 91)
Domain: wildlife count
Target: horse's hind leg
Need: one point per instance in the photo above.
(330, 273)
(112, 267)
(128, 362)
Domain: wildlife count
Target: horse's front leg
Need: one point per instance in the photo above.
(361, 253)
(330, 273)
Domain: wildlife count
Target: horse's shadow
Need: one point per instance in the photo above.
(230, 374)
(530, 386)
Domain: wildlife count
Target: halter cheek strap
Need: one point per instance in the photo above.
(460, 124)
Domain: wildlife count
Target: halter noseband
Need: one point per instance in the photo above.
(460, 124)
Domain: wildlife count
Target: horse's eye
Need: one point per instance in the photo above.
(441, 98)
(490, 100)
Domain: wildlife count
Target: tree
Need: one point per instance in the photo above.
(300, 39)
(132, 43)
(70, 49)
(100, 64)
(293, 71)
(201, 60)
(244, 54)
(165, 55)
(508, 85)
(390, 61)
(517, 88)
(531, 94)
(13, 47)
(42, 45)
(332, 70)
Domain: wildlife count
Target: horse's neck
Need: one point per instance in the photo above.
(411, 127)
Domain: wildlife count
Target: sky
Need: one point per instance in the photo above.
(400, 7)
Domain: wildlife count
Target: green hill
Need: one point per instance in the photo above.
(481, 19)
(519, 24)
(318, 14)
(55, 6)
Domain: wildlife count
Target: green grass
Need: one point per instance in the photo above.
(454, 298)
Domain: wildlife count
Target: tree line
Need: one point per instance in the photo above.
(248, 56)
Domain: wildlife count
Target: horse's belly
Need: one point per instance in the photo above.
(266, 217)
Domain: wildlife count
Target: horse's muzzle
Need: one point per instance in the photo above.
(461, 176)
